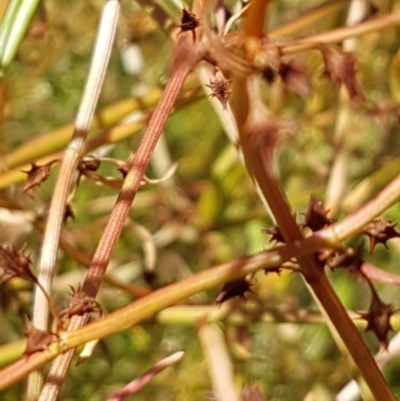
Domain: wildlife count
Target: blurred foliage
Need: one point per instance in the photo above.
(208, 212)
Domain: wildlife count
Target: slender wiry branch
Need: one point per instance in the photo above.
(338, 175)
(84, 117)
(218, 361)
(340, 34)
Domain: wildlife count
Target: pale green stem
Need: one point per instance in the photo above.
(13, 28)
(218, 361)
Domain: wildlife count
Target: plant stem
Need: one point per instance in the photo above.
(340, 34)
(70, 161)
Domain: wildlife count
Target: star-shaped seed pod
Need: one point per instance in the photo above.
(80, 303)
(380, 231)
(235, 288)
(37, 175)
(221, 90)
(15, 263)
(378, 318)
(349, 258)
(316, 217)
(189, 22)
(275, 234)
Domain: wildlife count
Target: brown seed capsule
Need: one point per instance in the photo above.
(235, 288)
(221, 90)
(189, 22)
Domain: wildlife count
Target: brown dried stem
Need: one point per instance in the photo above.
(258, 131)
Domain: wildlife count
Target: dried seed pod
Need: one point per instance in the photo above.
(316, 216)
(275, 234)
(350, 259)
(221, 90)
(37, 340)
(189, 22)
(80, 303)
(89, 163)
(340, 67)
(14, 263)
(235, 288)
(380, 231)
(37, 174)
(378, 318)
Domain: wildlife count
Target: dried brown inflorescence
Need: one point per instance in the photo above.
(15, 263)
(236, 288)
(316, 217)
(221, 90)
(189, 22)
(340, 67)
(380, 231)
(378, 318)
(37, 340)
(80, 303)
(37, 175)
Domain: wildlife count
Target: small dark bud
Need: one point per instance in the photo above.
(269, 74)
(275, 234)
(89, 163)
(236, 288)
(150, 278)
(349, 259)
(316, 216)
(80, 303)
(378, 318)
(189, 22)
(69, 213)
(123, 168)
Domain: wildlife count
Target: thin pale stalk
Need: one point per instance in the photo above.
(338, 176)
(137, 384)
(13, 28)
(338, 35)
(308, 18)
(218, 361)
(84, 117)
